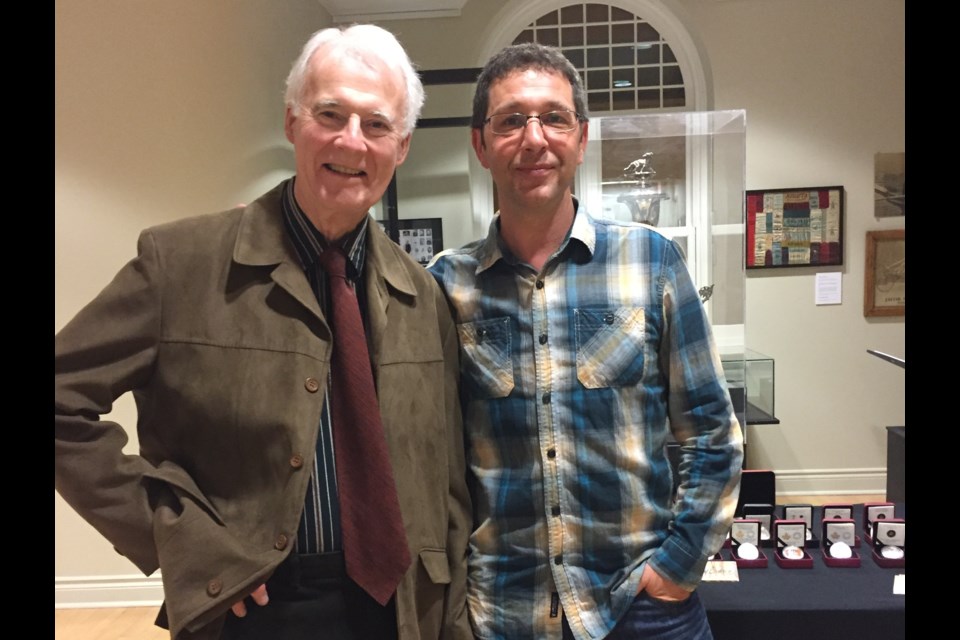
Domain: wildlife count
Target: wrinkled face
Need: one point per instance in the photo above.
(533, 168)
(346, 137)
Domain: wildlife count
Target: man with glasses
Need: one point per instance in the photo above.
(584, 348)
(300, 470)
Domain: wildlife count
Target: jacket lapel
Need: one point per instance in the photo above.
(385, 270)
(262, 242)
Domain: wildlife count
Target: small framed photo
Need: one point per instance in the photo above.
(422, 238)
(884, 286)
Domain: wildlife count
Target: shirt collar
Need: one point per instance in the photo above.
(310, 243)
(582, 234)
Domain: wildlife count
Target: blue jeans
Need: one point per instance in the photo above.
(651, 619)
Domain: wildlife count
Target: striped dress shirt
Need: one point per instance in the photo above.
(319, 530)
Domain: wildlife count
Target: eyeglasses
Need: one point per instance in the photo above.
(505, 124)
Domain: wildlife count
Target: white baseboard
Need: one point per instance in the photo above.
(107, 591)
(831, 481)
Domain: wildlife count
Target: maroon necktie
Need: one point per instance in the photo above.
(374, 540)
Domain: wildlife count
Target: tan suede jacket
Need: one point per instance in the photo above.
(215, 330)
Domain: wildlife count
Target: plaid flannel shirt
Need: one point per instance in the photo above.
(572, 382)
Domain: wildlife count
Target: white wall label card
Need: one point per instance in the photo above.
(721, 571)
(829, 288)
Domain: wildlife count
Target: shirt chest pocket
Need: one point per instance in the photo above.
(487, 365)
(609, 346)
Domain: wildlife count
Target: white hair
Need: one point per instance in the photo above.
(364, 40)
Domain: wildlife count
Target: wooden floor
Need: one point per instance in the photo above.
(136, 623)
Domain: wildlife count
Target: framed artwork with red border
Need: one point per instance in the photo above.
(796, 227)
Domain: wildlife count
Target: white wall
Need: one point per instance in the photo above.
(167, 109)
(823, 85)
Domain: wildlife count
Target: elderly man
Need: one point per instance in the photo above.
(235, 333)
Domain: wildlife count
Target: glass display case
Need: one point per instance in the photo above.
(683, 173)
(750, 378)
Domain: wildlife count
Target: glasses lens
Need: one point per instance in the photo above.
(559, 120)
(507, 123)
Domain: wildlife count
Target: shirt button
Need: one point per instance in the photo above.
(296, 461)
(539, 284)
(608, 318)
(214, 587)
(311, 385)
(558, 559)
(481, 334)
(281, 542)
(555, 511)
(543, 338)
(551, 453)
(546, 398)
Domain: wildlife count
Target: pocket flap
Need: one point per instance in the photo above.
(435, 562)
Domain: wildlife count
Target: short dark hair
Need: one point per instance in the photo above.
(520, 57)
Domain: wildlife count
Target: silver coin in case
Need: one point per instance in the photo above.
(748, 551)
(840, 550)
(792, 553)
(891, 553)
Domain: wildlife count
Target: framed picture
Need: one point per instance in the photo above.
(422, 238)
(801, 227)
(884, 287)
(889, 182)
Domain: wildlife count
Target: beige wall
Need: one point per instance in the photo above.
(167, 109)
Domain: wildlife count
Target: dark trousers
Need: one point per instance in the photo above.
(312, 597)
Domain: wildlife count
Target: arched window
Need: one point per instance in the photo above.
(636, 57)
(624, 61)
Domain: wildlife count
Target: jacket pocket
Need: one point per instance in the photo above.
(182, 486)
(609, 346)
(487, 365)
(436, 564)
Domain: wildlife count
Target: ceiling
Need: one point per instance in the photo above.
(366, 10)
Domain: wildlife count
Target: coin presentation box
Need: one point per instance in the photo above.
(873, 512)
(757, 486)
(764, 514)
(746, 532)
(791, 534)
(802, 512)
(840, 530)
(839, 511)
(889, 543)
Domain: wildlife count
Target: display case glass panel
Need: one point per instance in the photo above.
(684, 174)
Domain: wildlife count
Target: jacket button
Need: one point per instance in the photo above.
(214, 587)
(311, 385)
(296, 461)
(281, 542)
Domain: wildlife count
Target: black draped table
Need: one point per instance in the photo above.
(820, 603)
